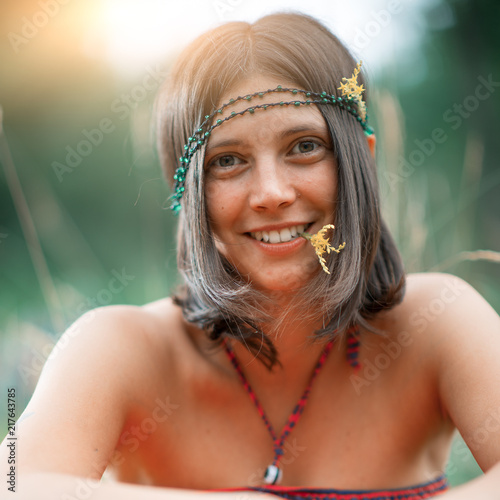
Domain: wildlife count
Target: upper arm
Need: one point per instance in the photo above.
(467, 350)
(74, 419)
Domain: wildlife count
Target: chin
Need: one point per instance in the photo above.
(286, 281)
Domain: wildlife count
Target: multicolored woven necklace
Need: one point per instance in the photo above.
(274, 474)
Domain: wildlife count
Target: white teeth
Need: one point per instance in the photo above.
(281, 236)
(285, 234)
(274, 237)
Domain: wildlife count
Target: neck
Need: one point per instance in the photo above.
(298, 351)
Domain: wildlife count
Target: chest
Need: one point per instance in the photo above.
(358, 427)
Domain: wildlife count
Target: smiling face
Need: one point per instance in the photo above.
(269, 176)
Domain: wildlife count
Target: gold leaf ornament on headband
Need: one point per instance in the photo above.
(351, 89)
(321, 244)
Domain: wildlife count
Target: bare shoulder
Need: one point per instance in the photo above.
(457, 332)
(440, 303)
(440, 314)
(106, 364)
(444, 318)
(128, 347)
(444, 285)
(458, 319)
(123, 334)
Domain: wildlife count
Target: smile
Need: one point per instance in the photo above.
(281, 236)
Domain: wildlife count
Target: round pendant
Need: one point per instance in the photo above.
(273, 475)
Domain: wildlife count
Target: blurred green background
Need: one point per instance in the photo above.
(92, 191)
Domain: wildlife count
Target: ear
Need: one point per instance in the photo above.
(371, 143)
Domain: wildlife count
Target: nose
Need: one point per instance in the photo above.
(272, 186)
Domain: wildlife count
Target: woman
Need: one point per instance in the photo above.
(266, 130)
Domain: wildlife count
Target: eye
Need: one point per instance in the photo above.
(225, 161)
(304, 147)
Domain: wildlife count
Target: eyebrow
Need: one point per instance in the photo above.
(307, 127)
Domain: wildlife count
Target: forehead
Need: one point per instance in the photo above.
(275, 110)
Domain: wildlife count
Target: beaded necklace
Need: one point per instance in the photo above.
(274, 474)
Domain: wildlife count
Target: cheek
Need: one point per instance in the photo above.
(222, 206)
(223, 197)
(211, 194)
(328, 192)
(328, 188)
(217, 206)
(322, 187)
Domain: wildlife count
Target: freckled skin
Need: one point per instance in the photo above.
(271, 183)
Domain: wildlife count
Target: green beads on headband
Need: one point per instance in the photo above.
(353, 105)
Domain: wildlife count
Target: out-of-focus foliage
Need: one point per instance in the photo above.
(442, 190)
(101, 212)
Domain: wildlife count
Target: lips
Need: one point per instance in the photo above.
(279, 236)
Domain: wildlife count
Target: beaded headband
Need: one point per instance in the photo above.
(351, 100)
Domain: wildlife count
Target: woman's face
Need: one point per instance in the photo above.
(270, 175)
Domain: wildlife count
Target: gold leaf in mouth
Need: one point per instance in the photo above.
(321, 244)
